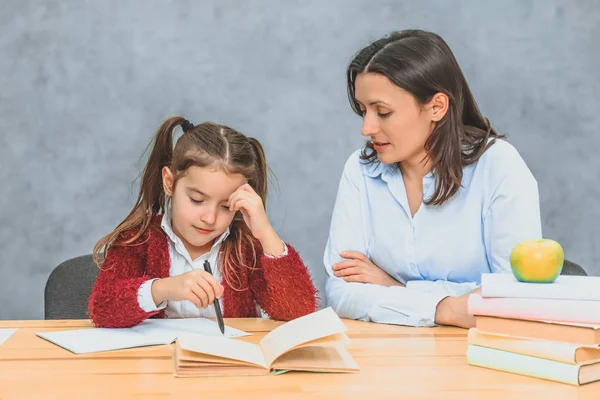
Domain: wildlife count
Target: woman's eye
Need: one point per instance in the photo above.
(384, 115)
(195, 201)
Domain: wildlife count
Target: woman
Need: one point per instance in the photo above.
(434, 199)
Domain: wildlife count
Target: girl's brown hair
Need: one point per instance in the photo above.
(207, 144)
(421, 63)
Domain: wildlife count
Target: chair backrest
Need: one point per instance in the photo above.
(571, 268)
(68, 289)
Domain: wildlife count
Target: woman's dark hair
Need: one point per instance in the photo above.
(422, 64)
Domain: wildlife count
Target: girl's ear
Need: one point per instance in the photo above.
(167, 180)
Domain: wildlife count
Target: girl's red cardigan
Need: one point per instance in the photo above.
(282, 287)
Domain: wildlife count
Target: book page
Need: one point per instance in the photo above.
(332, 340)
(313, 326)
(191, 359)
(222, 347)
(165, 329)
(317, 358)
(5, 334)
(81, 341)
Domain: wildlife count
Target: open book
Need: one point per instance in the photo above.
(314, 342)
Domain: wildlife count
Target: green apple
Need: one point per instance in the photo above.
(537, 260)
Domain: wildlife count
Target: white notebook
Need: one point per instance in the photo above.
(151, 332)
(5, 334)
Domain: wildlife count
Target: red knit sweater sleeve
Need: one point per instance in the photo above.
(114, 302)
(282, 286)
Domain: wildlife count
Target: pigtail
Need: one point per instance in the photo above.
(262, 173)
(151, 198)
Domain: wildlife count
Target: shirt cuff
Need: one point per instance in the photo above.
(145, 300)
(285, 252)
(407, 307)
(443, 287)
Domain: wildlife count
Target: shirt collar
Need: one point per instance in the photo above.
(377, 168)
(166, 225)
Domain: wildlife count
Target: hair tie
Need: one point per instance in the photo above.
(186, 125)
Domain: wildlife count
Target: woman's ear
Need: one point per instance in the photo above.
(438, 106)
(167, 180)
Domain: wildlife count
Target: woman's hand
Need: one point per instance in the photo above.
(358, 268)
(454, 311)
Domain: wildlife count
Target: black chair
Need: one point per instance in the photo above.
(571, 268)
(68, 289)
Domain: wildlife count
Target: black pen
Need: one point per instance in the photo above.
(216, 302)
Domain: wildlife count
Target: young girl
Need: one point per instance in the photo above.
(202, 200)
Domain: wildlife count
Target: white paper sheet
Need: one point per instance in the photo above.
(6, 333)
(149, 333)
(166, 328)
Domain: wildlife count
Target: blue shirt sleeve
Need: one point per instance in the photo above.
(513, 210)
(363, 301)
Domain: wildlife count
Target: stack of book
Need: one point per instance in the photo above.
(544, 330)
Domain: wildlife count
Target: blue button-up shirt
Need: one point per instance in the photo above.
(441, 250)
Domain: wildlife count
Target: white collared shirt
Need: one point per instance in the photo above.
(181, 263)
(441, 250)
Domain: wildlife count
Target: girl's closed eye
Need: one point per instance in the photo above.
(195, 201)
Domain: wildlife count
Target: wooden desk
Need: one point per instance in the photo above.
(396, 362)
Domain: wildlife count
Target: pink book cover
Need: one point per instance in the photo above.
(578, 311)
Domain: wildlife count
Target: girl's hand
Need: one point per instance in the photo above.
(249, 203)
(197, 286)
(358, 268)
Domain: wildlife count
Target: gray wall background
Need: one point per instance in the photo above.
(84, 84)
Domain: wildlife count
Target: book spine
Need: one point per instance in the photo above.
(522, 365)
